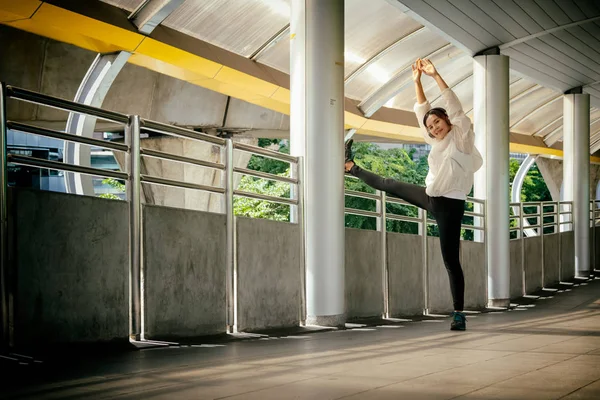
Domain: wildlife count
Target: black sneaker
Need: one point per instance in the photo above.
(349, 154)
(459, 321)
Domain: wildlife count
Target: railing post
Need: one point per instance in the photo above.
(382, 227)
(522, 235)
(5, 341)
(423, 233)
(231, 273)
(132, 137)
(297, 216)
(559, 231)
(541, 212)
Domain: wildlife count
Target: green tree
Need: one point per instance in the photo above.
(114, 183)
(243, 206)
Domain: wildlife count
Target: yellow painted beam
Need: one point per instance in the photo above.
(65, 26)
(12, 10)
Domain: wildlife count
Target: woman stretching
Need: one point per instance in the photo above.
(452, 162)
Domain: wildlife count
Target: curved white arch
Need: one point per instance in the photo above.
(515, 193)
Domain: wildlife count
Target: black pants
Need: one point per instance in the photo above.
(448, 214)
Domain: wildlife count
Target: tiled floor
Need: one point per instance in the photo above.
(550, 350)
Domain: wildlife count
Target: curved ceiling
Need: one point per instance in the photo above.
(552, 49)
(383, 39)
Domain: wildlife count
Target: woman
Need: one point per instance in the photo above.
(452, 162)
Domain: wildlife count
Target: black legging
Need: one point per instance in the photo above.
(448, 214)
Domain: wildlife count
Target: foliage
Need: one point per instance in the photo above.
(392, 163)
(246, 207)
(114, 183)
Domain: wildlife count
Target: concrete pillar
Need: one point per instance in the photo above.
(576, 173)
(491, 115)
(317, 133)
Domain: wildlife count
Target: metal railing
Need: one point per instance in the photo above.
(134, 126)
(423, 221)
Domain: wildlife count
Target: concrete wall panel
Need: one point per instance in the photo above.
(71, 260)
(364, 273)
(533, 263)
(269, 267)
(184, 270)
(551, 259)
(516, 269)
(567, 255)
(405, 268)
(472, 259)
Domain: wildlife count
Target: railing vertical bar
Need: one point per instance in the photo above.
(132, 136)
(231, 286)
(522, 234)
(5, 340)
(423, 232)
(385, 271)
(297, 216)
(541, 212)
(558, 228)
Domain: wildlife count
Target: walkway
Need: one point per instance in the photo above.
(546, 348)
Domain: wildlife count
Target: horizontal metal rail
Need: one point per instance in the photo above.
(471, 227)
(473, 214)
(363, 213)
(178, 184)
(65, 105)
(474, 200)
(36, 130)
(364, 195)
(59, 166)
(396, 200)
(159, 127)
(265, 152)
(403, 218)
(258, 196)
(173, 157)
(264, 175)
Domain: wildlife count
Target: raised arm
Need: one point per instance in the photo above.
(416, 70)
(428, 68)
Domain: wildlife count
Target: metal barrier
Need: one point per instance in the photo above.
(134, 126)
(422, 220)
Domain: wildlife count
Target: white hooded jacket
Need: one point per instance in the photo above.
(454, 159)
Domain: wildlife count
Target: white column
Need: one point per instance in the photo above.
(491, 114)
(576, 173)
(317, 133)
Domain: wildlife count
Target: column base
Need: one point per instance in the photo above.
(337, 321)
(499, 303)
(583, 274)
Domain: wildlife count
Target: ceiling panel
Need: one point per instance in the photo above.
(573, 59)
(462, 19)
(554, 11)
(537, 14)
(539, 51)
(369, 30)
(278, 56)
(523, 105)
(539, 117)
(520, 16)
(571, 9)
(554, 123)
(128, 5)
(501, 17)
(238, 26)
(402, 56)
(590, 8)
(555, 75)
(491, 25)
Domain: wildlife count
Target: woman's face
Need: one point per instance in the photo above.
(438, 127)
